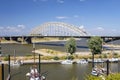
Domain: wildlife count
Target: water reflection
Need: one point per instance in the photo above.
(57, 71)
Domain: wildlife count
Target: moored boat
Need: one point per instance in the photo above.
(34, 74)
(97, 71)
(83, 61)
(67, 62)
(16, 62)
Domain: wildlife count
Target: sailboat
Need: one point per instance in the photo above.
(16, 62)
(34, 74)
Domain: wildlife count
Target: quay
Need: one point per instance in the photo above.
(37, 61)
(59, 61)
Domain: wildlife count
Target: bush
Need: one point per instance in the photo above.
(6, 58)
(115, 55)
(56, 58)
(105, 56)
(71, 57)
(100, 56)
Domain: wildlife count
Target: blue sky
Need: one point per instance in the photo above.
(98, 17)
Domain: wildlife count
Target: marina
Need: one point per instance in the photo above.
(49, 67)
(48, 70)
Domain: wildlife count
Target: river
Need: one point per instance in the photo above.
(53, 71)
(57, 71)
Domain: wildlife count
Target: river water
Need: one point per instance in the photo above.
(53, 71)
(57, 71)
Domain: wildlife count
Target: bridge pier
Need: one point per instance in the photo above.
(19, 39)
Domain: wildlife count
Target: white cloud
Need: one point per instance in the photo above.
(61, 17)
(100, 28)
(60, 1)
(17, 28)
(21, 26)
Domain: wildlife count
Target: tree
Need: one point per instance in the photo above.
(71, 46)
(95, 45)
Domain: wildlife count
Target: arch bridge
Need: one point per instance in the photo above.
(57, 29)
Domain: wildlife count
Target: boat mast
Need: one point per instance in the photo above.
(14, 55)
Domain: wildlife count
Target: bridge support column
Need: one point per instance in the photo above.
(23, 40)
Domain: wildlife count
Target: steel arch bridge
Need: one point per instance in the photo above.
(58, 29)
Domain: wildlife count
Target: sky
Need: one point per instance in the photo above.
(97, 17)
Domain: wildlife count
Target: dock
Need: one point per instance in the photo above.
(37, 61)
(59, 61)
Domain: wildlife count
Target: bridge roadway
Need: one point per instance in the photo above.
(28, 39)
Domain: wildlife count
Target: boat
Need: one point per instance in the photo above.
(83, 61)
(98, 71)
(67, 62)
(98, 61)
(114, 60)
(34, 74)
(94, 72)
(16, 62)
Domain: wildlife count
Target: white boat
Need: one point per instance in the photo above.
(114, 60)
(82, 61)
(67, 62)
(94, 72)
(16, 63)
(34, 75)
(98, 61)
(98, 71)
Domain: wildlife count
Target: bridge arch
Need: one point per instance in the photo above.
(58, 29)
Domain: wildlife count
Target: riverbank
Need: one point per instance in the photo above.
(31, 61)
(52, 56)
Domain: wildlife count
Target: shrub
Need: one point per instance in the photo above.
(105, 56)
(115, 55)
(71, 57)
(100, 56)
(56, 58)
(6, 58)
